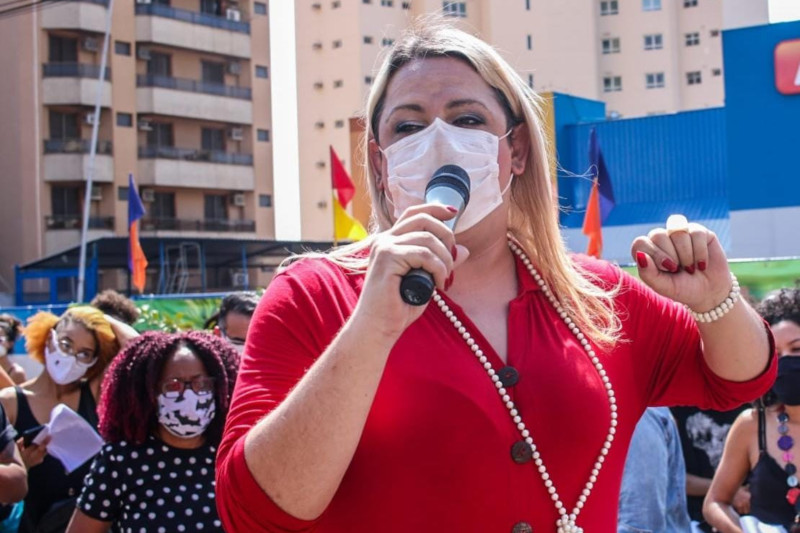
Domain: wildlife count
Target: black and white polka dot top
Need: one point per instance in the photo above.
(152, 488)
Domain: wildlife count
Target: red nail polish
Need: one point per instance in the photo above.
(449, 281)
(689, 269)
(669, 265)
(452, 209)
(701, 265)
(454, 252)
(641, 259)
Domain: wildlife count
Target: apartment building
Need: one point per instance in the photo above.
(187, 106)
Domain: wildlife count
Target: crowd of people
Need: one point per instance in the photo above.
(527, 394)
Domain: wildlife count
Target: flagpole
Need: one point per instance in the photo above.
(87, 197)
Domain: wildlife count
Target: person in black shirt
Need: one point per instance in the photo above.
(13, 477)
(162, 411)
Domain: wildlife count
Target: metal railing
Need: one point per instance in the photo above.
(75, 146)
(74, 222)
(194, 154)
(181, 224)
(74, 70)
(193, 17)
(100, 2)
(195, 86)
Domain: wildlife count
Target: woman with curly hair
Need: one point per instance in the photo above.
(163, 408)
(10, 330)
(761, 442)
(75, 349)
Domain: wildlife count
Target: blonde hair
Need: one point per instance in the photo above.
(533, 215)
(39, 326)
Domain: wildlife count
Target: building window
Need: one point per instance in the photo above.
(368, 80)
(367, 39)
(337, 84)
(159, 64)
(653, 41)
(259, 8)
(125, 120)
(692, 39)
(714, 33)
(122, 48)
(262, 71)
(213, 139)
(336, 5)
(611, 46)
(122, 194)
(63, 50)
(689, 3)
(213, 72)
(612, 84)
(655, 80)
(530, 42)
(264, 200)
(387, 3)
(160, 134)
(211, 7)
(214, 207)
(338, 124)
(527, 5)
(406, 5)
(455, 9)
(651, 5)
(64, 126)
(530, 81)
(387, 42)
(366, 1)
(610, 7)
(694, 77)
(716, 72)
(337, 43)
(263, 135)
(162, 206)
(65, 201)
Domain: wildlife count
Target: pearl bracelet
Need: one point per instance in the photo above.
(722, 309)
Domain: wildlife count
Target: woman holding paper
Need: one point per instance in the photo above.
(75, 349)
(164, 403)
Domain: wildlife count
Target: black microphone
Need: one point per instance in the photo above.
(448, 186)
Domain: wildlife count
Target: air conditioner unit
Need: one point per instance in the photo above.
(319, 125)
(318, 85)
(88, 118)
(239, 279)
(97, 193)
(236, 134)
(143, 53)
(148, 195)
(144, 125)
(234, 68)
(233, 14)
(317, 45)
(320, 164)
(90, 44)
(316, 6)
(144, 1)
(237, 199)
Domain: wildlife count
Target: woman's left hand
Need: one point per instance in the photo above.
(684, 262)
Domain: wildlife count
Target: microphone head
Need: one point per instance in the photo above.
(453, 177)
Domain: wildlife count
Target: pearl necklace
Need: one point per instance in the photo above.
(566, 522)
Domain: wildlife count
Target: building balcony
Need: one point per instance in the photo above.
(74, 222)
(74, 84)
(167, 166)
(165, 95)
(180, 28)
(68, 160)
(86, 15)
(203, 225)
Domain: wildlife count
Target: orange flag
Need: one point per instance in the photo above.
(137, 262)
(592, 225)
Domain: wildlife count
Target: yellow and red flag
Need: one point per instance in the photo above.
(346, 228)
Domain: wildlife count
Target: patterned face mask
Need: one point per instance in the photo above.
(188, 415)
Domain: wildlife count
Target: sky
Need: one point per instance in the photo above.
(784, 10)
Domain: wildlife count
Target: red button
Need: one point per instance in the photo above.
(787, 67)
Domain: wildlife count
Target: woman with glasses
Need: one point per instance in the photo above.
(75, 350)
(162, 411)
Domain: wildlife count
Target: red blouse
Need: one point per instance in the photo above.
(435, 454)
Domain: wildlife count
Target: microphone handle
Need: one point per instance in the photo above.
(416, 287)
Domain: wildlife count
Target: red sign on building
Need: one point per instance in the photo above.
(787, 67)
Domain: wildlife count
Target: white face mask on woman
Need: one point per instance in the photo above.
(188, 415)
(63, 368)
(412, 161)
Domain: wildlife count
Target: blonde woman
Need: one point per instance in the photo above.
(507, 402)
(75, 349)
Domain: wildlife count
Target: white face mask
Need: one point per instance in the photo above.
(412, 161)
(63, 368)
(188, 415)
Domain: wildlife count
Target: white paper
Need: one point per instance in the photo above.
(73, 441)
(751, 524)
